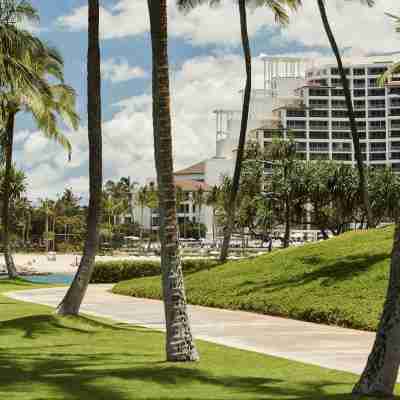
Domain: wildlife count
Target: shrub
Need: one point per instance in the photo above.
(116, 271)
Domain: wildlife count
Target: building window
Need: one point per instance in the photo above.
(346, 147)
(376, 113)
(319, 146)
(338, 104)
(341, 135)
(359, 93)
(359, 104)
(339, 114)
(319, 103)
(318, 92)
(377, 124)
(319, 135)
(337, 92)
(359, 83)
(294, 124)
(319, 113)
(376, 92)
(318, 124)
(377, 147)
(359, 71)
(377, 103)
(341, 156)
(377, 135)
(376, 70)
(339, 125)
(295, 113)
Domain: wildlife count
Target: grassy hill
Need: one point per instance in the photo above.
(341, 281)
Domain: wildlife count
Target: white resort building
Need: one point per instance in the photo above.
(308, 101)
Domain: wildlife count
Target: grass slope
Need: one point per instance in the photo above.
(43, 356)
(340, 281)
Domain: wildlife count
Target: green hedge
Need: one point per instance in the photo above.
(116, 271)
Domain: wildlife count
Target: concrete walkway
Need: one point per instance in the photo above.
(326, 346)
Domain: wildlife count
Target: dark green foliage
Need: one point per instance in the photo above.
(116, 271)
(340, 281)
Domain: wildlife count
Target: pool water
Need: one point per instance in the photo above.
(51, 279)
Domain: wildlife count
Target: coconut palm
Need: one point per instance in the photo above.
(199, 202)
(45, 109)
(141, 198)
(278, 8)
(179, 341)
(381, 371)
(212, 201)
(395, 68)
(19, 48)
(350, 109)
(72, 301)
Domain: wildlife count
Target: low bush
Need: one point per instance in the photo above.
(116, 271)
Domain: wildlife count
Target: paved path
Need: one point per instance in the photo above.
(326, 346)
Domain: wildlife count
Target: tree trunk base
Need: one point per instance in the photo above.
(362, 393)
(11, 270)
(191, 356)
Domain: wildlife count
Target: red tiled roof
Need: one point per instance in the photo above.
(198, 168)
(190, 185)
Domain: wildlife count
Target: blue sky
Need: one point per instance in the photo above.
(205, 54)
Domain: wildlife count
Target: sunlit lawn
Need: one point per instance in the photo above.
(46, 357)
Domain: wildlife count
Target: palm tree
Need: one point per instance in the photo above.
(278, 8)
(45, 109)
(212, 201)
(141, 198)
(19, 48)
(350, 109)
(72, 301)
(179, 203)
(46, 209)
(395, 68)
(199, 202)
(179, 341)
(381, 371)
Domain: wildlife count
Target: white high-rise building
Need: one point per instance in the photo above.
(308, 101)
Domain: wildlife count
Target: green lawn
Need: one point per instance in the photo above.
(44, 357)
(340, 281)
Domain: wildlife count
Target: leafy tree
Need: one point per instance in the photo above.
(179, 341)
(347, 94)
(72, 301)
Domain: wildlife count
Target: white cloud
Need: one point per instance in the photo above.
(365, 29)
(200, 86)
(119, 70)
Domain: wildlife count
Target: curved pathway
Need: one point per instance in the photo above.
(326, 346)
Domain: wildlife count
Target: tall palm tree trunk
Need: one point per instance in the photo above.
(11, 270)
(242, 138)
(46, 230)
(380, 374)
(179, 341)
(74, 297)
(288, 217)
(352, 119)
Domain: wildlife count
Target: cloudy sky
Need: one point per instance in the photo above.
(206, 73)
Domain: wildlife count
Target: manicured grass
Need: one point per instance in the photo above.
(45, 357)
(340, 281)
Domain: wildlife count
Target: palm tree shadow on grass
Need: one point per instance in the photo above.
(79, 376)
(331, 273)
